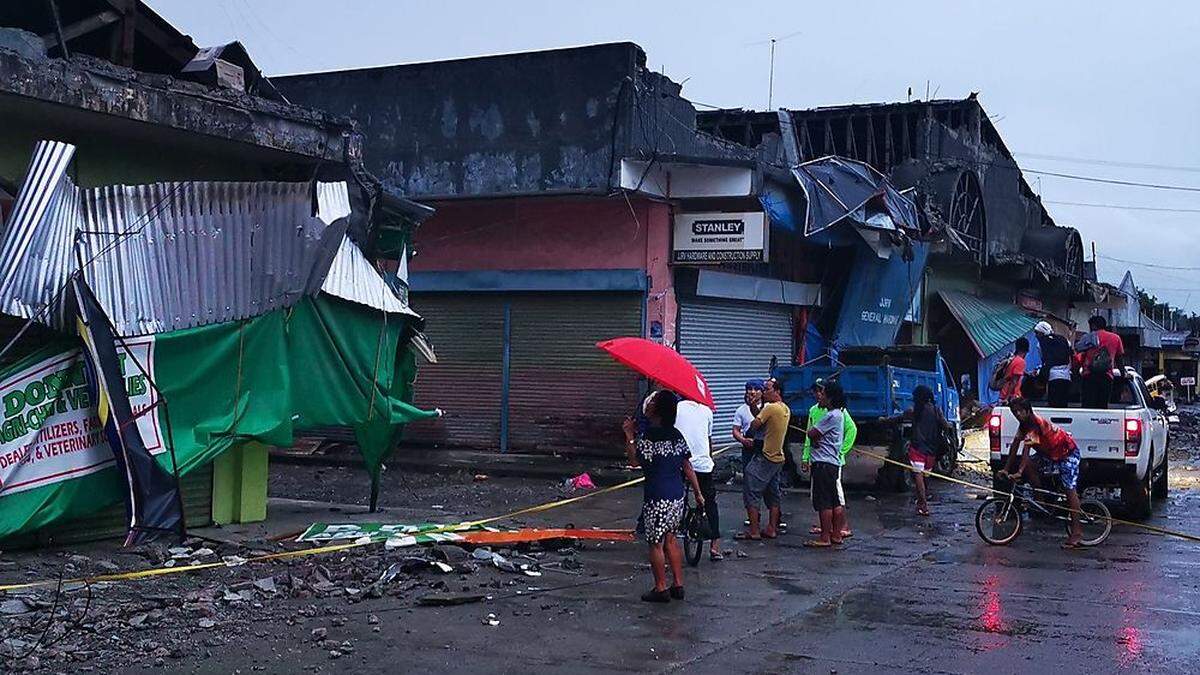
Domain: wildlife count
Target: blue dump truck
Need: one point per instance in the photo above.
(878, 382)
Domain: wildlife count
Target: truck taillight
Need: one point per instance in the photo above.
(1133, 437)
(994, 432)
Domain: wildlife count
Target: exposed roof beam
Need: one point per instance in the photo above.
(180, 47)
(82, 27)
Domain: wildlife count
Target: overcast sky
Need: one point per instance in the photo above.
(1107, 85)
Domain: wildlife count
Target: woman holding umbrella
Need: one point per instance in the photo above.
(663, 454)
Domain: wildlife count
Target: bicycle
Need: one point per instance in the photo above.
(999, 519)
(695, 530)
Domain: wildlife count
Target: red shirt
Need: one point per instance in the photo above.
(1012, 378)
(1048, 438)
(1108, 340)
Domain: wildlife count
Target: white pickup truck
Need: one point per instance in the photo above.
(1124, 446)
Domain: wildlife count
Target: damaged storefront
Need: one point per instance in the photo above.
(237, 314)
(157, 142)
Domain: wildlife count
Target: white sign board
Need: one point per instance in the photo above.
(51, 431)
(720, 237)
(1187, 381)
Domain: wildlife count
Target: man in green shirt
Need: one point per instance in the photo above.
(849, 434)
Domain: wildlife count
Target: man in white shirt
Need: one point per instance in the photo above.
(744, 417)
(695, 422)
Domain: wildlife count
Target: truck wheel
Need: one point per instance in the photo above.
(1135, 496)
(1160, 488)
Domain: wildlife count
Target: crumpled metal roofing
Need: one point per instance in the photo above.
(837, 188)
(990, 324)
(352, 277)
(168, 256)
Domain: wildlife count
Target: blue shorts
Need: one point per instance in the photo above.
(1067, 468)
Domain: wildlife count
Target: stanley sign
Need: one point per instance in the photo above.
(719, 237)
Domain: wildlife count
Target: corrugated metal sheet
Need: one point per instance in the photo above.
(565, 394)
(990, 324)
(466, 382)
(351, 277)
(731, 342)
(168, 256)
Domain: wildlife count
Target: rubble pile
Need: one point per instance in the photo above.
(100, 626)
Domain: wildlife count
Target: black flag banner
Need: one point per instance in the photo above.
(152, 498)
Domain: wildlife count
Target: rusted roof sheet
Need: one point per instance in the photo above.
(168, 256)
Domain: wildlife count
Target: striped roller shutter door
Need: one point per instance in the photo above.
(467, 333)
(731, 342)
(565, 394)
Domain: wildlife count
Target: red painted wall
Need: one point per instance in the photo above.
(554, 233)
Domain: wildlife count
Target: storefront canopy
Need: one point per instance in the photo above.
(990, 324)
(838, 189)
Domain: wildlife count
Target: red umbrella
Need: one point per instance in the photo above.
(661, 364)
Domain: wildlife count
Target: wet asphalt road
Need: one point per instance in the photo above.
(905, 595)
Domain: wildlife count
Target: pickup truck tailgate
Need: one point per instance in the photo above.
(1100, 434)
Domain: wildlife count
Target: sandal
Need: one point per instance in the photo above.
(656, 596)
(715, 556)
(836, 542)
(770, 536)
(846, 534)
(1072, 545)
(746, 536)
(817, 543)
(676, 592)
(815, 529)
(923, 511)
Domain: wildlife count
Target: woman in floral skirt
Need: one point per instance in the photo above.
(663, 454)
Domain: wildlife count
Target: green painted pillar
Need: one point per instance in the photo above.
(240, 485)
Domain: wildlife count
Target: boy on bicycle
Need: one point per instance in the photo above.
(1057, 453)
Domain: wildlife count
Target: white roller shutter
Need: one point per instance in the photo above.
(731, 342)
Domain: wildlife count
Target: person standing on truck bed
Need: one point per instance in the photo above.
(1057, 453)
(849, 435)
(1097, 354)
(1015, 371)
(1056, 365)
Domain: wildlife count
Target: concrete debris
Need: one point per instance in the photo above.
(448, 599)
(14, 606)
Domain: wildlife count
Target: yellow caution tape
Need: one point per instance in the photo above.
(319, 550)
(951, 479)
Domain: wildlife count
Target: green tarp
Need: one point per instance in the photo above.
(322, 362)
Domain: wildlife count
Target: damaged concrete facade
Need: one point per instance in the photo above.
(558, 177)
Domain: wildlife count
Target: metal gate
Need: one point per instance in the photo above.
(564, 393)
(467, 333)
(731, 342)
(561, 393)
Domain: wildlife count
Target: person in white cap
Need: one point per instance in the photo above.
(1056, 365)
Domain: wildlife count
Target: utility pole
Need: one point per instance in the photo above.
(771, 77)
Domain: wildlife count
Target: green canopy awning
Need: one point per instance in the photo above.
(990, 324)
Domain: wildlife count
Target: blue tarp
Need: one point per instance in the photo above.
(1033, 361)
(876, 302)
(837, 188)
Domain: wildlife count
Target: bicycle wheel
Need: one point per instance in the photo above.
(692, 549)
(998, 521)
(1095, 520)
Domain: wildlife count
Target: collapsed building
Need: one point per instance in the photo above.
(194, 200)
(1001, 262)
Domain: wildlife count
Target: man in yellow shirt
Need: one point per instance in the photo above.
(760, 481)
